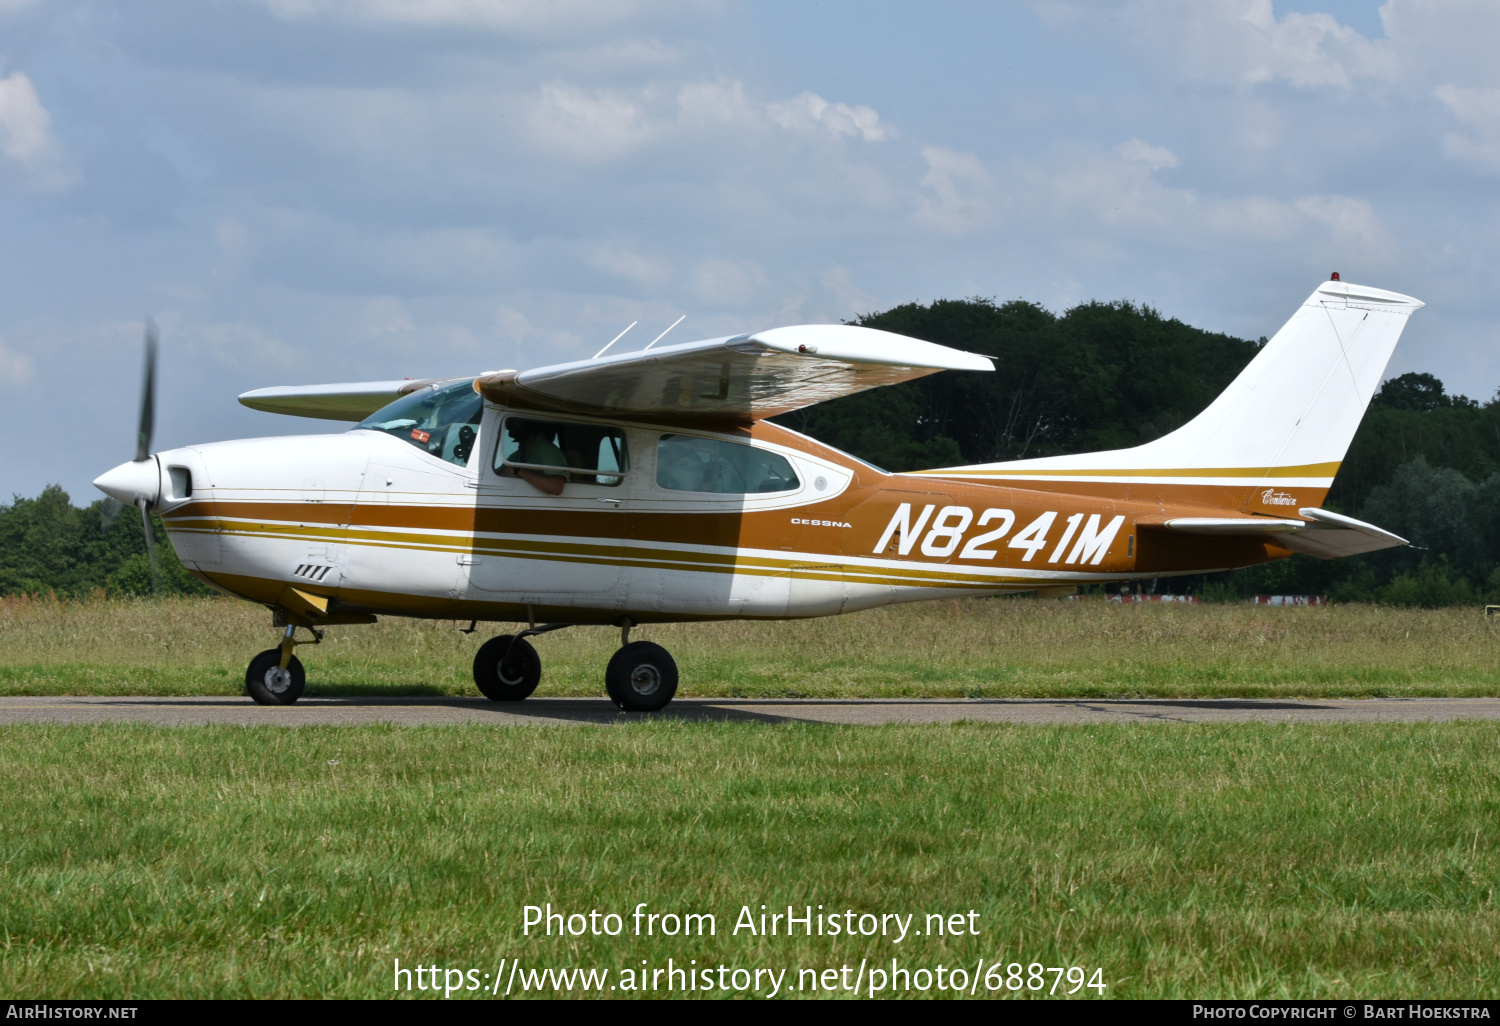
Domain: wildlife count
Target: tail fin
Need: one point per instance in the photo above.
(1273, 440)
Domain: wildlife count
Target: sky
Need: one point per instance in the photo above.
(303, 191)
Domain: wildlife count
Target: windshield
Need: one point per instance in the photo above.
(442, 421)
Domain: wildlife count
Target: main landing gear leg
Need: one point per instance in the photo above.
(642, 676)
(276, 677)
(507, 668)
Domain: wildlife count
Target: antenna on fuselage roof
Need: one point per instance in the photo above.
(615, 339)
(664, 334)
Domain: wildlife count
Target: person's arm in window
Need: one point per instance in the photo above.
(552, 484)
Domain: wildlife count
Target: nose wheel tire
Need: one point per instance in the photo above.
(269, 684)
(507, 669)
(641, 677)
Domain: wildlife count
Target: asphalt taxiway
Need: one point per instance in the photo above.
(423, 711)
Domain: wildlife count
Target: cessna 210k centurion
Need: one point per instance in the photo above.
(650, 486)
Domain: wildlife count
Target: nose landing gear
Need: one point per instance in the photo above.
(276, 676)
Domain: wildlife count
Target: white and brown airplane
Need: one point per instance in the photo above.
(650, 486)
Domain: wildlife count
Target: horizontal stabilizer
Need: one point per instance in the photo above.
(1233, 525)
(1323, 534)
(1333, 535)
(352, 401)
(740, 378)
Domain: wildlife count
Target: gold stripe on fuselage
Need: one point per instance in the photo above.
(603, 552)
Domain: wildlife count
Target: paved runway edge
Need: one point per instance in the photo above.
(195, 711)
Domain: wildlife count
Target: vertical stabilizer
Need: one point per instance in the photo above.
(1273, 440)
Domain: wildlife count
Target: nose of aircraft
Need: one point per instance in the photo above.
(132, 482)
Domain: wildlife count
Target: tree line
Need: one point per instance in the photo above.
(1424, 464)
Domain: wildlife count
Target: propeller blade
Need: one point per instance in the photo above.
(150, 547)
(148, 401)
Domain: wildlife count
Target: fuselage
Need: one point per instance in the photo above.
(374, 525)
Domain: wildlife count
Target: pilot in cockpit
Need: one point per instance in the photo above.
(534, 446)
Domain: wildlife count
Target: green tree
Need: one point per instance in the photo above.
(49, 545)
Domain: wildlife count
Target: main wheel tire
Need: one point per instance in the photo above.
(269, 684)
(641, 677)
(507, 668)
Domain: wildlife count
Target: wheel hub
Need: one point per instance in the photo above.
(277, 680)
(645, 679)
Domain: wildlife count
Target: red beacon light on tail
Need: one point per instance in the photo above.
(1335, 276)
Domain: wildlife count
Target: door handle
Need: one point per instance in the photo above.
(610, 502)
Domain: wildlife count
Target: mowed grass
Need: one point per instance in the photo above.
(1199, 861)
(976, 648)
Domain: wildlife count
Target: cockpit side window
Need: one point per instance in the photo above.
(442, 420)
(688, 463)
(582, 453)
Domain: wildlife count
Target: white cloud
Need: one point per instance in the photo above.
(825, 296)
(1444, 40)
(26, 132)
(957, 187)
(231, 240)
(719, 283)
(1232, 42)
(723, 102)
(384, 315)
(1154, 157)
(16, 369)
(631, 266)
(495, 14)
(240, 345)
(1119, 206)
(810, 114)
(587, 125)
(25, 123)
(598, 124)
(842, 293)
(1353, 226)
(1479, 110)
(513, 325)
(532, 345)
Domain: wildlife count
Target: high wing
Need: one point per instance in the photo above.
(353, 401)
(739, 378)
(1323, 534)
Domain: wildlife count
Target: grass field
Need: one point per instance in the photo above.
(998, 648)
(1203, 861)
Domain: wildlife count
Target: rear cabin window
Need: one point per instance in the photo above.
(583, 453)
(442, 420)
(688, 463)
